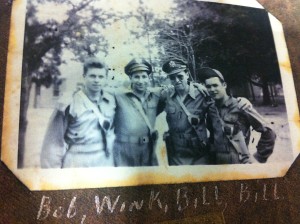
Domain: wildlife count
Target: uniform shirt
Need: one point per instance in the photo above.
(77, 123)
(131, 129)
(83, 118)
(204, 109)
(128, 119)
(243, 119)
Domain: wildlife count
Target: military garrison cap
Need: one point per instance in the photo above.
(174, 66)
(138, 65)
(207, 73)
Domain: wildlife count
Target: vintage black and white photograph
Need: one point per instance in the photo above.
(155, 84)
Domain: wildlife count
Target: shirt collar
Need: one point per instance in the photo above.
(130, 92)
(191, 92)
(103, 97)
(228, 102)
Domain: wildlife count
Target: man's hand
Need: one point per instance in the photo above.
(244, 104)
(202, 89)
(167, 90)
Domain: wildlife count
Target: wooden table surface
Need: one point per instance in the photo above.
(254, 201)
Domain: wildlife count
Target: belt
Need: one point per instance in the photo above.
(85, 148)
(133, 139)
(187, 140)
(179, 135)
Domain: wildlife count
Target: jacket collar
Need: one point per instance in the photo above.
(228, 102)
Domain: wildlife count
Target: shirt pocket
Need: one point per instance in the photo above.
(196, 112)
(231, 118)
(171, 110)
(108, 111)
(152, 104)
(152, 107)
(82, 117)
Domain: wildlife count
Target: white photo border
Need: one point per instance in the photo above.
(58, 179)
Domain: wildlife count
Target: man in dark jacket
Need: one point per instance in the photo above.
(237, 122)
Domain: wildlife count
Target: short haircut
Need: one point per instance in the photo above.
(208, 73)
(93, 62)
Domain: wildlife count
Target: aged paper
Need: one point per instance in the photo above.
(117, 32)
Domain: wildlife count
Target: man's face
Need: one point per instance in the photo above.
(139, 81)
(179, 80)
(95, 79)
(216, 88)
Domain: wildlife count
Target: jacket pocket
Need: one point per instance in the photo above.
(231, 118)
(171, 110)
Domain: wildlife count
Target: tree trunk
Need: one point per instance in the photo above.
(266, 93)
(193, 64)
(272, 95)
(37, 95)
(252, 92)
(25, 92)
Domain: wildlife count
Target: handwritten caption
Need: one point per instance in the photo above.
(183, 199)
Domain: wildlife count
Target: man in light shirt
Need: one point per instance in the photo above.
(80, 132)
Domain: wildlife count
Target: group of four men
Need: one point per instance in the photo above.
(101, 128)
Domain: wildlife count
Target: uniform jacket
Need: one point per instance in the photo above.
(128, 119)
(131, 129)
(181, 128)
(238, 121)
(76, 125)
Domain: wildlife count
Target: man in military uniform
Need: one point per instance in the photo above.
(237, 122)
(80, 132)
(135, 117)
(189, 114)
